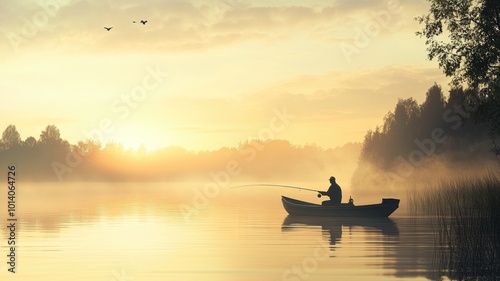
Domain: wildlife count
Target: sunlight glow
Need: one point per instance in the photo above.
(135, 136)
(219, 85)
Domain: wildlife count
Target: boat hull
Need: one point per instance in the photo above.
(301, 208)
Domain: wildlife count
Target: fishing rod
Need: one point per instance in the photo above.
(280, 185)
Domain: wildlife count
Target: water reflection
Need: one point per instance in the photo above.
(402, 247)
(468, 246)
(332, 227)
(118, 224)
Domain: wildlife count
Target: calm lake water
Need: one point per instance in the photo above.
(193, 231)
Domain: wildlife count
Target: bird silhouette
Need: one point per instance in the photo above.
(108, 28)
(133, 21)
(144, 22)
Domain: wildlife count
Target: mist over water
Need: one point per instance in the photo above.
(375, 183)
(153, 231)
(420, 146)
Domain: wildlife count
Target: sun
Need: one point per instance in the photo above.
(132, 142)
(135, 136)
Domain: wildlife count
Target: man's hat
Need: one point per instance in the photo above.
(332, 178)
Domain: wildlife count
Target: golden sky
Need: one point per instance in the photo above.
(207, 74)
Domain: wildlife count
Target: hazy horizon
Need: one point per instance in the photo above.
(210, 74)
(175, 90)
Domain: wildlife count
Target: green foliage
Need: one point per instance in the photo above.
(464, 37)
(472, 52)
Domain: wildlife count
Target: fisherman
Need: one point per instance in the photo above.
(334, 192)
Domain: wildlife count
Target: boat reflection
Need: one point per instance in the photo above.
(404, 246)
(332, 227)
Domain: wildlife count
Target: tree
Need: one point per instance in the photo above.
(30, 142)
(88, 147)
(51, 143)
(401, 128)
(396, 137)
(11, 137)
(431, 111)
(471, 53)
(50, 136)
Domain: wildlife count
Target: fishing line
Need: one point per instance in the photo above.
(278, 185)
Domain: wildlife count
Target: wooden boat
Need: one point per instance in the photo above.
(302, 208)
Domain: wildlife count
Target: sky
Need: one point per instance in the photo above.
(208, 74)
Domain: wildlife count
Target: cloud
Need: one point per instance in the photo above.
(359, 92)
(73, 60)
(349, 103)
(179, 26)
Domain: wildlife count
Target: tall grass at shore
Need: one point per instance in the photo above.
(466, 217)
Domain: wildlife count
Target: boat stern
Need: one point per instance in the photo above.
(390, 204)
(390, 201)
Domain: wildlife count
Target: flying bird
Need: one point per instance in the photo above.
(108, 28)
(144, 22)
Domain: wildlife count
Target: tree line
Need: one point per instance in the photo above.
(470, 53)
(410, 128)
(416, 143)
(51, 158)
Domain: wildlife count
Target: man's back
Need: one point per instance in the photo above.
(335, 193)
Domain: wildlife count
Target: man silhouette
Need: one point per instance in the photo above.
(334, 192)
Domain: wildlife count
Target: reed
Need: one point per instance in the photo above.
(466, 217)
